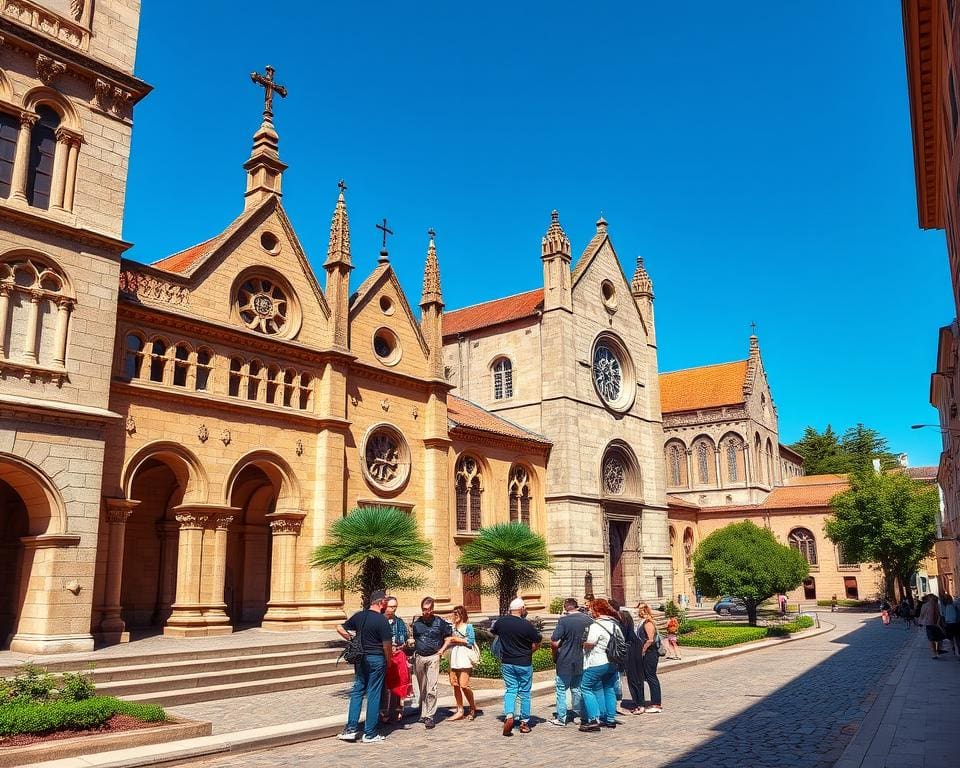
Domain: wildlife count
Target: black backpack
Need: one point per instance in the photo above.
(352, 652)
(616, 646)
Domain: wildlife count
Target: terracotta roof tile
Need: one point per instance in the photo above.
(182, 261)
(676, 501)
(922, 473)
(808, 491)
(708, 386)
(463, 413)
(492, 313)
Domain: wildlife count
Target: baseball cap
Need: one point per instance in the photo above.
(377, 596)
(517, 604)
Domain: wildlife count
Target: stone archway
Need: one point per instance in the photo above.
(14, 525)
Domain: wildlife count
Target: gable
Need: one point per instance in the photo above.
(380, 307)
(233, 277)
(602, 293)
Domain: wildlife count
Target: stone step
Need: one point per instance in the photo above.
(317, 656)
(126, 688)
(174, 697)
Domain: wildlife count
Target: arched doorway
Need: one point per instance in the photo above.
(149, 576)
(249, 551)
(14, 523)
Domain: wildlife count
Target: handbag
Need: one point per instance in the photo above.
(473, 654)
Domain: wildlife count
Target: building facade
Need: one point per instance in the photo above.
(932, 51)
(576, 361)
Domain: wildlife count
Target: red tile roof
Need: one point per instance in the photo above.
(463, 413)
(676, 501)
(922, 473)
(708, 386)
(494, 312)
(182, 261)
(807, 491)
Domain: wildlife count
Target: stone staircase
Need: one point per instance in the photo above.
(171, 678)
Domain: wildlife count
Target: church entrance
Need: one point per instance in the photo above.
(619, 529)
(809, 588)
(14, 523)
(249, 551)
(149, 576)
(471, 591)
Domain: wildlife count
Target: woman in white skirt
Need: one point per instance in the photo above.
(463, 649)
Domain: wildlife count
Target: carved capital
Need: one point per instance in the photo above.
(49, 69)
(119, 510)
(65, 304)
(223, 522)
(102, 94)
(191, 520)
(286, 524)
(28, 119)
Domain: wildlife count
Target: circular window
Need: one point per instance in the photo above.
(386, 346)
(613, 373)
(263, 306)
(609, 294)
(614, 475)
(386, 305)
(270, 243)
(386, 458)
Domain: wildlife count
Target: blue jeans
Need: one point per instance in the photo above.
(368, 679)
(517, 682)
(599, 693)
(568, 683)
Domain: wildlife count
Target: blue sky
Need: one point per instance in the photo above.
(759, 159)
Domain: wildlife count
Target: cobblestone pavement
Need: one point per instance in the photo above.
(798, 704)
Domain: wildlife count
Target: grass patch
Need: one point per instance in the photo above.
(713, 634)
(847, 603)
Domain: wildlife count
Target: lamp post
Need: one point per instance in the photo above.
(935, 426)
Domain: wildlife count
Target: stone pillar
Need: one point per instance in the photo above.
(33, 318)
(716, 456)
(112, 628)
(214, 574)
(71, 180)
(747, 468)
(282, 610)
(64, 307)
(22, 159)
(689, 455)
(167, 533)
(186, 618)
(58, 176)
(4, 318)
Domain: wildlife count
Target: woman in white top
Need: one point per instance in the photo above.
(598, 685)
(461, 666)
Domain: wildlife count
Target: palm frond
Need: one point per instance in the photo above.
(386, 533)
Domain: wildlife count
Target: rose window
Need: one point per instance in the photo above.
(607, 373)
(263, 306)
(614, 475)
(386, 461)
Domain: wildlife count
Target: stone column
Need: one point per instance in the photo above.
(58, 175)
(282, 609)
(64, 307)
(716, 456)
(71, 180)
(22, 159)
(167, 533)
(689, 454)
(33, 318)
(747, 468)
(215, 574)
(112, 628)
(4, 318)
(186, 618)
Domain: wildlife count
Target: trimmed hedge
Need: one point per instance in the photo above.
(489, 665)
(711, 634)
(21, 716)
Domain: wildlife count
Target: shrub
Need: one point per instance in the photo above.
(76, 686)
(556, 605)
(21, 716)
(845, 603)
(670, 609)
(32, 684)
(710, 634)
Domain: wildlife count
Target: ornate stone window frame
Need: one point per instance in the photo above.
(520, 493)
(374, 450)
(624, 400)
(389, 337)
(258, 285)
(619, 473)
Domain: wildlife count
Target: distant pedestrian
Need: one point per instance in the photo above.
(518, 640)
(833, 604)
(951, 619)
(567, 645)
(673, 644)
(599, 674)
(930, 620)
(377, 645)
(699, 599)
(464, 638)
(782, 600)
(397, 686)
(650, 656)
(430, 640)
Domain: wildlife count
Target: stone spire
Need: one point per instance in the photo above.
(555, 241)
(264, 168)
(601, 225)
(338, 249)
(641, 284)
(338, 268)
(431, 275)
(555, 255)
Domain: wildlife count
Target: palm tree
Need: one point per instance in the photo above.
(384, 544)
(513, 556)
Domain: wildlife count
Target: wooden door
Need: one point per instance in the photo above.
(471, 591)
(618, 537)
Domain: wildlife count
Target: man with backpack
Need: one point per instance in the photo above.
(516, 639)
(368, 649)
(567, 644)
(605, 651)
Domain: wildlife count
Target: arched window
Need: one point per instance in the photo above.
(732, 449)
(43, 148)
(674, 459)
(703, 462)
(158, 360)
(236, 376)
(132, 356)
(802, 540)
(469, 491)
(181, 365)
(519, 491)
(9, 129)
(204, 369)
(289, 386)
(769, 462)
(253, 380)
(35, 308)
(305, 391)
(757, 458)
(274, 381)
(502, 379)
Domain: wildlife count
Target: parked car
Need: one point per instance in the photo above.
(730, 606)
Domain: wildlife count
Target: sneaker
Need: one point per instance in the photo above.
(609, 723)
(346, 735)
(524, 726)
(652, 711)
(372, 739)
(589, 727)
(428, 722)
(508, 725)
(557, 721)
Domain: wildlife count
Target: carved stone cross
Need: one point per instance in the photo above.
(386, 231)
(269, 86)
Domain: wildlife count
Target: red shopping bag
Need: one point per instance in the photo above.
(398, 676)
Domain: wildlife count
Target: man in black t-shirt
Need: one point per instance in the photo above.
(431, 637)
(518, 640)
(376, 637)
(567, 643)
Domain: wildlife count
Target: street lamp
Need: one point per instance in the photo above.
(935, 426)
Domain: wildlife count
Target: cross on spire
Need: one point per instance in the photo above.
(432, 233)
(342, 185)
(269, 86)
(386, 231)
(753, 329)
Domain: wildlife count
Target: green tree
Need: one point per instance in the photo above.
(382, 544)
(746, 561)
(862, 445)
(512, 555)
(827, 453)
(821, 453)
(887, 518)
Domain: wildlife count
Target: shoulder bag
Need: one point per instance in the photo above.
(353, 651)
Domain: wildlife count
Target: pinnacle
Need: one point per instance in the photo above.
(641, 284)
(601, 224)
(555, 241)
(431, 275)
(338, 249)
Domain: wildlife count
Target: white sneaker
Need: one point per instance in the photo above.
(372, 739)
(556, 721)
(348, 735)
(652, 711)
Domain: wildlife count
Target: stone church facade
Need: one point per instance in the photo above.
(576, 360)
(178, 437)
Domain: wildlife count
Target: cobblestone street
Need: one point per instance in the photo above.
(794, 705)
